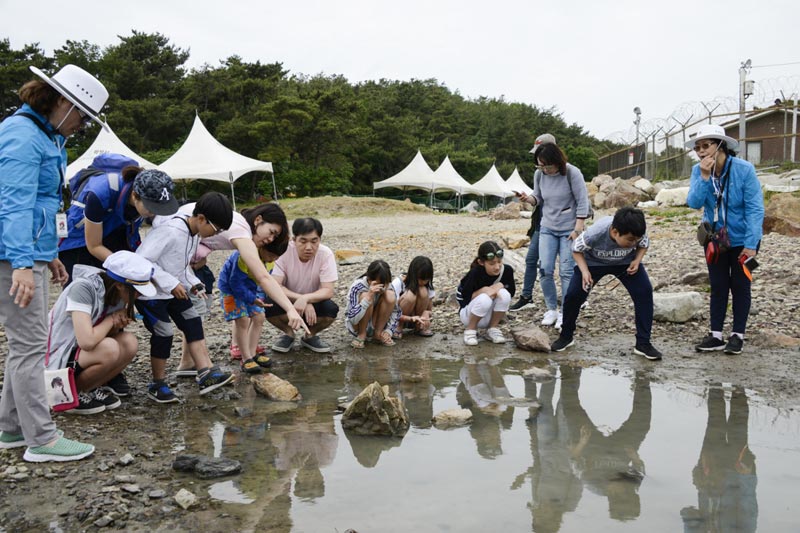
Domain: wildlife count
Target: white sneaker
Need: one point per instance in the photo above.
(559, 321)
(495, 335)
(550, 317)
(470, 337)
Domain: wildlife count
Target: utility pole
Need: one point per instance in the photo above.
(638, 112)
(743, 94)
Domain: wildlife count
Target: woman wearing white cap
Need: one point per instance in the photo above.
(729, 192)
(87, 326)
(32, 165)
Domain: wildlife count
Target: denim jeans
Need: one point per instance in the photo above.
(551, 244)
(531, 266)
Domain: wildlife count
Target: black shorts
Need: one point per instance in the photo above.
(157, 315)
(325, 308)
(76, 367)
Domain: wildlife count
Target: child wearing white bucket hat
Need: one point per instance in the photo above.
(32, 166)
(87, 326)
(729, 192)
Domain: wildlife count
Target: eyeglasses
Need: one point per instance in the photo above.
(85, 119)
(492, 255)
(217, 230)
(704, 146)
(546, 168)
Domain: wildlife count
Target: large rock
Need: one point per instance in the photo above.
(374, 412)
(531, 338)
(514, 242)
(601, 179)
(678, 306)
(349, 257)
(644, 185)
(770, 338)
(452, 418)
(672, 197)
(505, 212)
(471, 207)
(782, 215)
(206, 467)
(275, 388)
(624, 193)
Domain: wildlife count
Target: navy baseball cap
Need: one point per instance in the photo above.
(155, 188)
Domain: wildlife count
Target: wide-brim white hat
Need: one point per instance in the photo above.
(132, 269)
(80, 88)
(712, 131)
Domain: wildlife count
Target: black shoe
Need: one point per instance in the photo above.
(119, 385)
(107, 398)
(562, 343)
(87, 405)
(213, 378)
(734, 346)
(710, 344)
(524, 302)
(647, 350)
(160, 392)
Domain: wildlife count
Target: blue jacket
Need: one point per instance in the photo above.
(31, 168)
(742, 202)
(233, 279)
(113, 194)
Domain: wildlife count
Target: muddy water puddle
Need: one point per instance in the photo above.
(589, 450)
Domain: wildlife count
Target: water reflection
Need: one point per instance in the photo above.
(482, 389)
(725, 475)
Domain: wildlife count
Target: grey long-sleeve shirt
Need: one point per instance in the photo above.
(560, 207)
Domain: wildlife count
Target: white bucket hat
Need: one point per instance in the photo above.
(80, 88)
(135, 270)
(712, 131)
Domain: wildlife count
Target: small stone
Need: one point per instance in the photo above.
(103, 521)
(124, 478)
(275, 388)
(19, 476)
(185, 462)
(10, 471)
(185, 499)
(452, 418)
(537, 374)
(131, 488)
(243, 412)
(157, 494)
(126, 459)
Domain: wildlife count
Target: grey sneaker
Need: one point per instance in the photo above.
(87, 405)
(315, 344)
(283, 344)
(62, 450)
(212, 379)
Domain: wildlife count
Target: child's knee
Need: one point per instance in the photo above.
(503, 296)
(160, 347)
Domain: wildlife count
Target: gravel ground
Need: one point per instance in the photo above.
(89, 492)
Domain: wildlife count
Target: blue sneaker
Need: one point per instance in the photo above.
(160, 392)
(212, 379)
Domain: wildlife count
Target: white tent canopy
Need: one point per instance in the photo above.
(447, 178)
(202, 157)
(105, 143)
(417, 175)
(492, 184)
(515, 183)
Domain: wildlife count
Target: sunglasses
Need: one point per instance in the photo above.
(492, 255)
(85, 119)
(704, 146)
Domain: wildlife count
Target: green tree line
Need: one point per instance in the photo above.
(323, 134)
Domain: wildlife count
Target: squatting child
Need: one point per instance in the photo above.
(612, 246)
(485, 293)
(170, 247)
(370, 306)
(414, 290)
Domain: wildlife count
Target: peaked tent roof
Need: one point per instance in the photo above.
(106, 142)
(447, 178)
(203, 157)
(515, 183)
(492, 184)
(417, 175)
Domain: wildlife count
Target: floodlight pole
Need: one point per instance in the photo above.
(745, 66)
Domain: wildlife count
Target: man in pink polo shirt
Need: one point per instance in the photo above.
(307, 273)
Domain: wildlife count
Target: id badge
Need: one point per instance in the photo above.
(61, 225)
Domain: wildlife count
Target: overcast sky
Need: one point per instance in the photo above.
(592, 61)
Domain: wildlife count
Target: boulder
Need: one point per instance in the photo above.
(678, 306)
(770, 338)
(513, 242)
(672, 197)
(695, 278)
(644, 185)
(624, 194)
(214, 467)
(599, 200)
(782, 215)
(275, 388)
(505, 212)
(647, 204)
(471, 207)
(598, 181)
(452, 418)
(374, 412)
(515, 260)
(531, 338)
(349, 257)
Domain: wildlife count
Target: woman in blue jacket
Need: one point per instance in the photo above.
(728, 190)
(32, 166)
